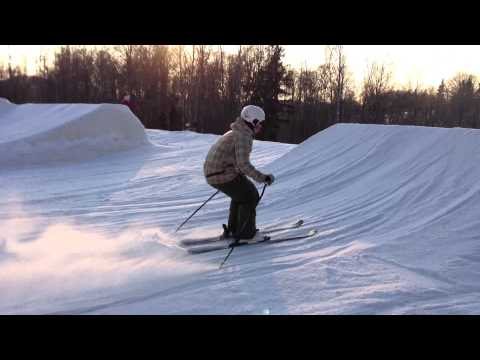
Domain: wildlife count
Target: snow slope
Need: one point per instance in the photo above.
(396, 209)
(41, 133)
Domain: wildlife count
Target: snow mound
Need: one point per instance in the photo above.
(5, 105)
(379, 170)
(44, 133)
(350, 155)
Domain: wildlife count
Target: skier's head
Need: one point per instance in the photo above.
(252, 114)
(253, 117)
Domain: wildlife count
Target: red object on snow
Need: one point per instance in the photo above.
(127, 101)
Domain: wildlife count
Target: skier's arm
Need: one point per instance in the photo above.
(243, 148)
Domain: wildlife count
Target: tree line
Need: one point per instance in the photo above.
(203, 88)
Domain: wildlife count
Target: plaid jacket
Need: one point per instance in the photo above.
(230, 156)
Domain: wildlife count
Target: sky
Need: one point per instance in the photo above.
(426, 65)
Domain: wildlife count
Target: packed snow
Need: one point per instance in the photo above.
(39, 133)
(396, 208)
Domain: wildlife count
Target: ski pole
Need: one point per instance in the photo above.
(210, 198)
(243, 226)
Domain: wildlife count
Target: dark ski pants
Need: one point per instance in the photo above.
(243, 206)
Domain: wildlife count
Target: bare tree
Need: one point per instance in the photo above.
(376, 84)
(180, 81)
(462, 93)
(339, 85)
(235, 74)
(128, 81)
(105, 76)
(334, 80)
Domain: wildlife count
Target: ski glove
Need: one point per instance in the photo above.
(269, 179)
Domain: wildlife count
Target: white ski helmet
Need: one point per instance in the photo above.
(250, 113)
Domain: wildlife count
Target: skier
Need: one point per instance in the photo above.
(128, 101)
(227, 166)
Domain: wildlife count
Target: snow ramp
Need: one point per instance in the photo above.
(44, 133)
(422, 174)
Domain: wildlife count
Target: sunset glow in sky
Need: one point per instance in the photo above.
(423, 64)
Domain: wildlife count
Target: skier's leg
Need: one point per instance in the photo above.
(247, 209)
(244, 197)
(233, 217)
(231, 190)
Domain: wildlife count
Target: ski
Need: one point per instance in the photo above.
(214, 239)
(293, 226)
(266, 239)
